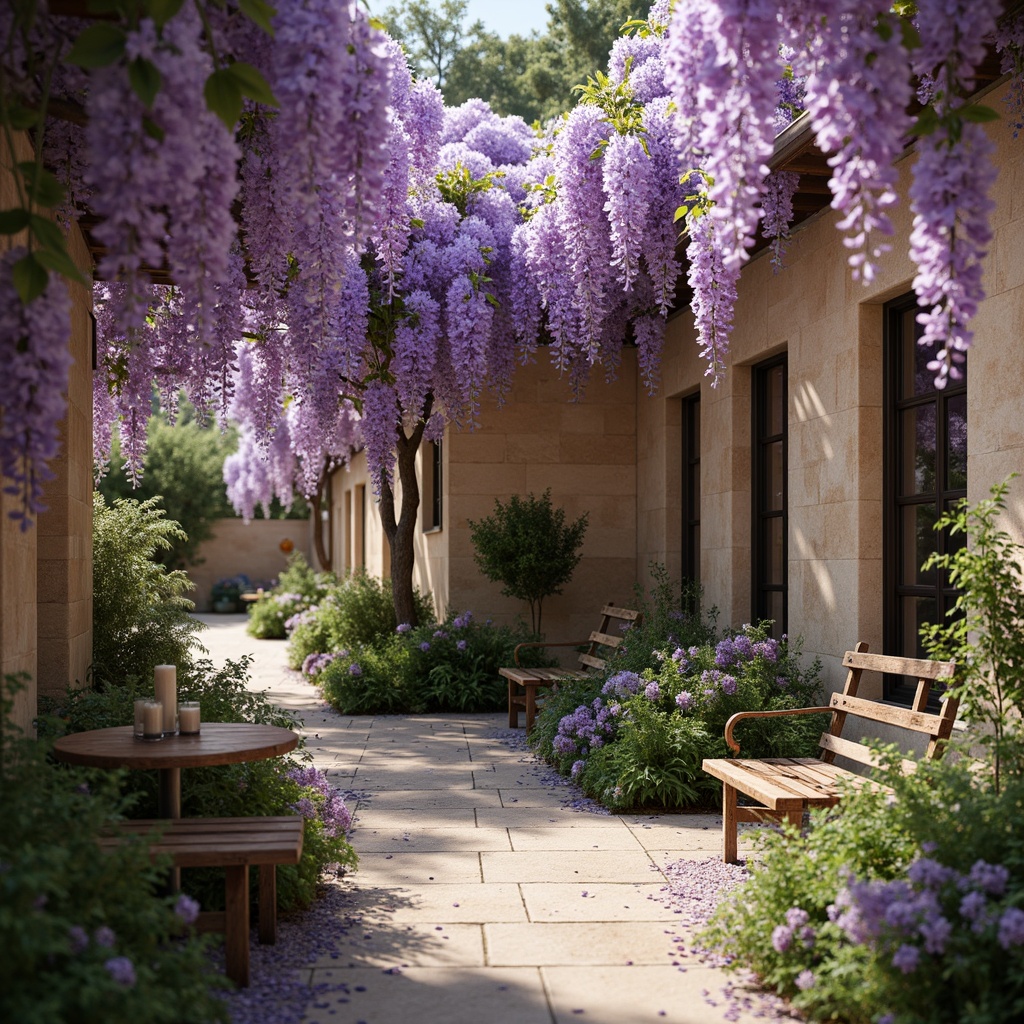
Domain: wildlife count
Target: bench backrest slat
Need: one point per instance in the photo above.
(858, 752)
(602, 640)
(938, 726)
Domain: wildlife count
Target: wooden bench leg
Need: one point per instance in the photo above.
(729, 825)
(513, 708)
(531, 708)
(236, 924)
(268, 904)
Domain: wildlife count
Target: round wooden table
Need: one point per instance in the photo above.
(217, 743)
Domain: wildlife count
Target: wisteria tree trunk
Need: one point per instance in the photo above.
(400, 524)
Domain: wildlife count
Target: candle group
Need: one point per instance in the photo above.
(165, 685)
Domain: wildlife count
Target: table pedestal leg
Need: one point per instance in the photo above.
(170, 807)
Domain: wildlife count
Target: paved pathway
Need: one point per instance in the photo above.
(481, 898)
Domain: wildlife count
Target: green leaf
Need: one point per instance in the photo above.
(977, 113)
(927, 122)
(46, 232)
(43, 186)
(161, 11)
(13, 221)
(20, 117)
(145, 79)
(259, 12)
(252, 83)
(61, 263)
(681, 212)
(152, 129)
(224, 96)
(30, 278)
(98, 46)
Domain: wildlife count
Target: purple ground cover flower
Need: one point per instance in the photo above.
(403, 627)
(355, 669)
(104, 936)
(78, 939)
(684, 700)
(122, 970)
(652, 691)
(805, 980)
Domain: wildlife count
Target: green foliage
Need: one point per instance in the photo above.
(184, 473)
(532, 76)
(448, 667)
(247, 789)
(140, 614)
(528, 546)
(55, 881)
(353, 613)
(298, 588)
(986, 635)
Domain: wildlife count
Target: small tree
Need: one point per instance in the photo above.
(527, 546)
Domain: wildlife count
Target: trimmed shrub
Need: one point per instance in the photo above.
(297, 589)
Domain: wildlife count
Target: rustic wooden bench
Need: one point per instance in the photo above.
(788, 786)
(523, 683)
(234, 844)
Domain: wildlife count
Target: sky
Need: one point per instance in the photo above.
(503, 17)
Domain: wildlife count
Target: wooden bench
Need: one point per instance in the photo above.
(234, 844)
(523, 683)
(788, 786)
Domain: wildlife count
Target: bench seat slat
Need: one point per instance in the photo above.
(539, 676)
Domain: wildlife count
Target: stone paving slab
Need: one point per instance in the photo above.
(423, 799)
(421, 868)
(431, 840)
(411, 944)
(583, 866)
(526, 839)
(524, 796)
(380, 780)
(577, 942)
(377, 818)
(601, 901)
(448, 995)
(637, 995)
(440, 903)
(511, 777)
(549, 816)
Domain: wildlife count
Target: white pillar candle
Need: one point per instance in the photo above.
(152, 719)
(165, 685)
(188, 717)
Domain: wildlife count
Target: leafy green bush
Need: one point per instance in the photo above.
(237, 790)
(354, 613)
(635, 740)
(448, 667)
(298, 588)
(528, 547)
(86, 935)
(140, 614)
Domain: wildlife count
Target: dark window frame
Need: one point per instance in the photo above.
(690, 498)
(896, 402)
(761, 442)
(433, 478)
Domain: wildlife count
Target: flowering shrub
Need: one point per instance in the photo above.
(640, 740)
(352, 612)
(449, 666)
(298, 588)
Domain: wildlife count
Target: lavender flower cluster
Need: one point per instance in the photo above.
(321, 801)
(933, 912)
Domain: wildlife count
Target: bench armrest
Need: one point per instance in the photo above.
(543, 643)
(740, 715)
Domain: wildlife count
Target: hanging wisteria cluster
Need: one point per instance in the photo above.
(353, 264)
(850, 69)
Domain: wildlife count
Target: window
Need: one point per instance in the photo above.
(431, 489)
(769, 493)
(926, 474)
(691, 487)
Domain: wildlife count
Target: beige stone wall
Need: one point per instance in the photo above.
(252, 548)
(46, 571)
(831, 329)
(586, 452)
